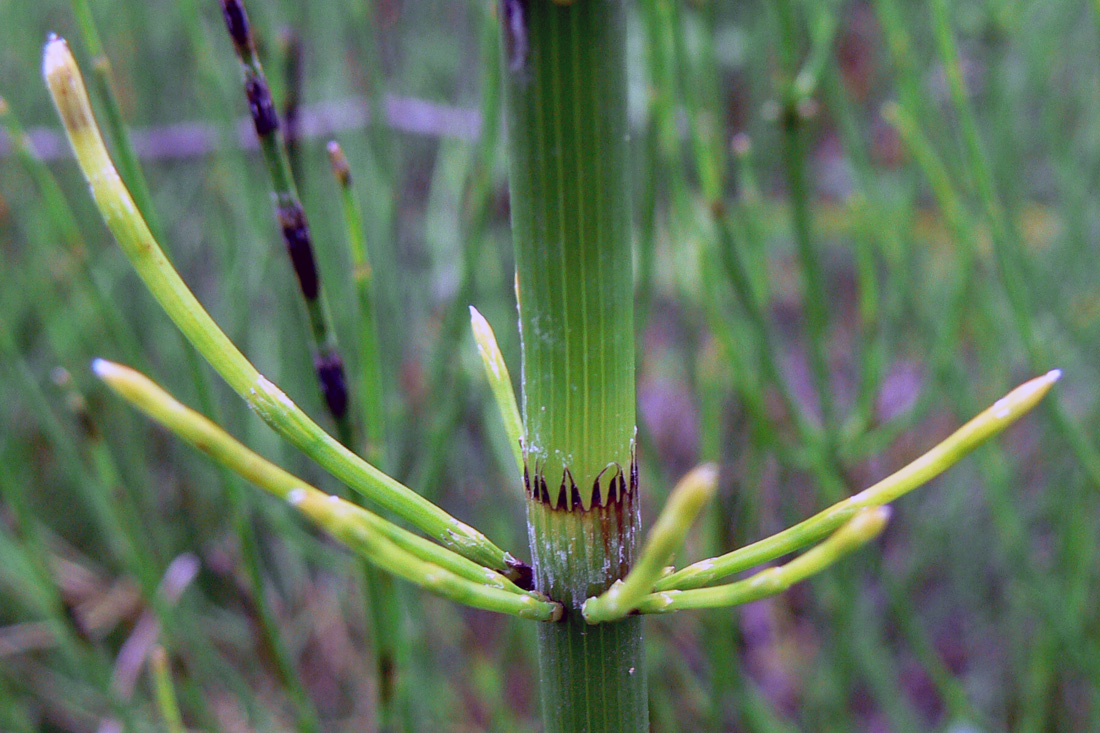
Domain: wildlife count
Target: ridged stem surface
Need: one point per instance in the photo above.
(565, 81)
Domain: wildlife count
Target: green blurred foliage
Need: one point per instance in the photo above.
(761, 148)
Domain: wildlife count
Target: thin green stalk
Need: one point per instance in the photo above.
(103, 79)
(86, 659)
(960, 289)
(271, 636)
(565, 88)
(473, 221)
(813, 276)
(135, 179)
(1013, 275)
(163, 690)
(64, 219)
(379, 541)
(730, 252)
(500, 381)
(384, 608)
(370, 379)
(292, 221)
(865, 203)
(1006, 240)
(115, 503)
(267, 400)
(988, 423)
(291, 47)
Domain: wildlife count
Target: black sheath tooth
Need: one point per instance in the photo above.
(612, 491)
(522, 574)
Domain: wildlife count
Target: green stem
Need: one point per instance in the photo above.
(384, 607)
(794, 159)
(103, 80)
(565, 85)
(864, 526)
(292, 221)
(985, 425)
(165, 694)
(267, 400)
(1006, 244)
(370, 370)
(377, 540)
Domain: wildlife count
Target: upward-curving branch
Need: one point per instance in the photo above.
(267, 400)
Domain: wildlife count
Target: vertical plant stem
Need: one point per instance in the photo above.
(292, 221)
(370, 380)
(794, 160)
(104, 84)
(383, 605)
(164, 692)
(565, 85)
(291, 47)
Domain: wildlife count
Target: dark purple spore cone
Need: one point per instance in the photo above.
(260, 106)
(298, 244)
(236, 20)
(330, 373)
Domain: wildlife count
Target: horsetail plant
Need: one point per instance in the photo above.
(575, 449)
(269, 402)
(383, 543)
(384, 611)
(370, 382)
(292, 220)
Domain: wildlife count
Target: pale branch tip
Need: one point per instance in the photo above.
(500, 383)
(66, 85)
(339, 163)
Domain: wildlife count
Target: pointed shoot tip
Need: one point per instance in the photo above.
(870, 522)
(707, 475)
(103, 368)
(55, 54)
(66, 86)
(483, 332)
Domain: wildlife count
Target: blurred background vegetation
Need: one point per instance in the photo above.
(857, 224)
